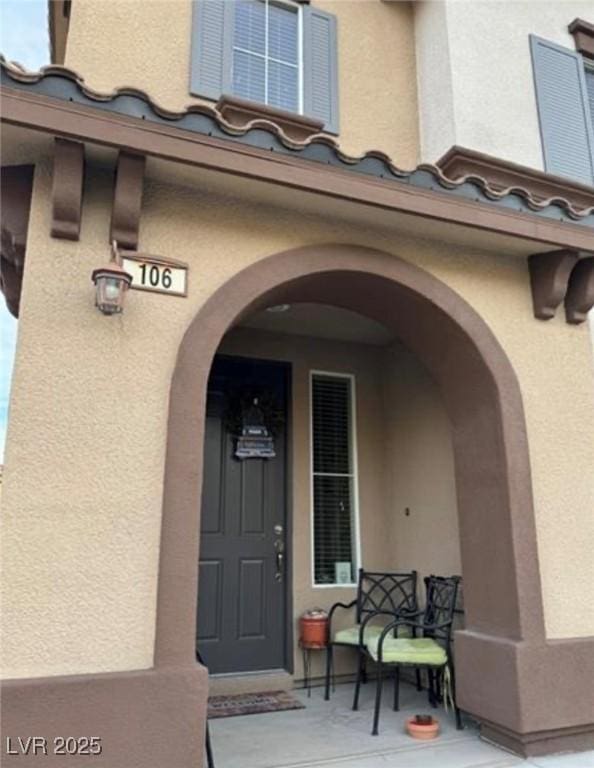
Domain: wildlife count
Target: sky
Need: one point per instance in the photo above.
(23, 38)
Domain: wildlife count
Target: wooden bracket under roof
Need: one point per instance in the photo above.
(127, 200)
(67, 188)
(549, 277)
(579, 299)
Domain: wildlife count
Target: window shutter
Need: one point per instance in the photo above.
(320, 67)
(212, 31)
(590, 91)
(563, 111)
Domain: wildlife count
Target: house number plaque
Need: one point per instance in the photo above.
(155, 273)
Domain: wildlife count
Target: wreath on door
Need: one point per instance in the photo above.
(246, 402)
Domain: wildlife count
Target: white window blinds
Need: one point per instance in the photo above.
(333, 470)
(266, 56)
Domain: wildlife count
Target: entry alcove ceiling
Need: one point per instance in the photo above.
(321, 321)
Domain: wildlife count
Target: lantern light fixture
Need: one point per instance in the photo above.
(111, 284)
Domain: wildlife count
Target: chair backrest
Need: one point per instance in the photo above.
(392, 593)
(441, 596)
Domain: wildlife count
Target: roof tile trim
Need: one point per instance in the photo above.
(425, 175)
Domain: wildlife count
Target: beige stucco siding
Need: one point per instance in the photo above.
(86, 440)
(377, 80)
(475, 76)
(420, 475)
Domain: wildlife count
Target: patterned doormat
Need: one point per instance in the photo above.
(251, 704)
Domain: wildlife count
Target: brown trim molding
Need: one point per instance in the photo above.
(580, 292)
(481, 393)
(501, 655)
(74, 121)
(240, 112)
(145, 719)
(127, 200)
(549, 277)
(583, 35)
(459, 162)
(508, 675)
(16, 190)
(67, 188)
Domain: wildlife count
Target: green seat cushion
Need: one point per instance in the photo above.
(350, 635)
(408, 650)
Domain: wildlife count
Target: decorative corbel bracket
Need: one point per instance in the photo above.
(127, 200)
(67, 188)
(579, 299)
(549, 277)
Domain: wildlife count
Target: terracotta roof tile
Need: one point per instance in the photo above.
(61, 82)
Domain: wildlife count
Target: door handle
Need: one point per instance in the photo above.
(280, 559)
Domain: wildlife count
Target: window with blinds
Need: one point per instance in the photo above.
(333, 480)
(266, 55)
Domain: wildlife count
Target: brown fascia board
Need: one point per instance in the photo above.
(462, 164)
(81, 123)
(583, 35)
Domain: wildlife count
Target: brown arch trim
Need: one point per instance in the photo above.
(482, 395)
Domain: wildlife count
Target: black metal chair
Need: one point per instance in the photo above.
(431, 650)
(389, 595)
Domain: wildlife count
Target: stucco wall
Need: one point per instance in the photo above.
(476, 84)
(420, 475)
(377, 88)
(85, 451)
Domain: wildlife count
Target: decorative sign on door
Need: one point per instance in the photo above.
(155, 273)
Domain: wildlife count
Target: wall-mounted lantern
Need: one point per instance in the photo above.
(111, 284)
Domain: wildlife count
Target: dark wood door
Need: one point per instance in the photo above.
(242, 612)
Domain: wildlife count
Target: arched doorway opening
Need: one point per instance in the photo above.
(483, 402)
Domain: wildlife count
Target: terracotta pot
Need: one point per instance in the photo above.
(422, 730)
(314, 629)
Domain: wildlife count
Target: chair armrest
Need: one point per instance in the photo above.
(366, 621)
(344, 606)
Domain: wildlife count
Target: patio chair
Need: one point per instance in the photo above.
(390, 595)
(431, 650)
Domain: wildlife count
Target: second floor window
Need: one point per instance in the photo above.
(266, 54)
(282, 53)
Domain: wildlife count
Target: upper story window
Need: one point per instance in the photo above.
(279, 53)
(564, 85)
(266, 65)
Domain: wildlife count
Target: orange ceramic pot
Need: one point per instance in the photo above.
(422, 730)
(313, 627)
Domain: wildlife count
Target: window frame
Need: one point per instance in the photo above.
(355, 516)
(297, 8)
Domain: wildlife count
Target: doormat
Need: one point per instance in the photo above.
(251, 704)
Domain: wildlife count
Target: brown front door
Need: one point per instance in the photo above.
(242, 614)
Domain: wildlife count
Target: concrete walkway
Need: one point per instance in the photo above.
(331, 735)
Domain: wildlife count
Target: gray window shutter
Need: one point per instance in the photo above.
(320, 67)
(590, 91)
(563, 111)
(212, 41)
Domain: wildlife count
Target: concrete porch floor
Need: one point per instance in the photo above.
(331, 734)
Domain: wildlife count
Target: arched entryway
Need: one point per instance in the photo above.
(497, 533)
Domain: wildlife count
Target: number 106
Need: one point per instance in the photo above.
(155, 276)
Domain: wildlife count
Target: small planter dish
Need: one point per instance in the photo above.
(423, 727)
